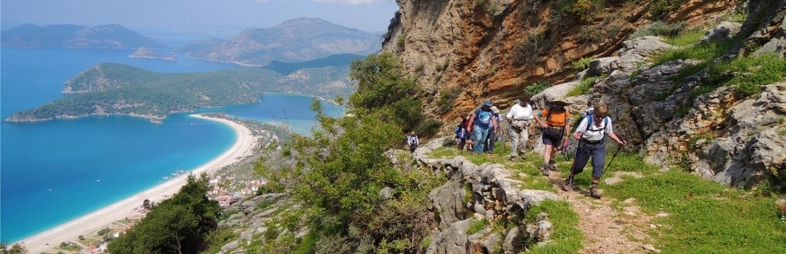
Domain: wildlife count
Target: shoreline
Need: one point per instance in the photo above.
(69, 231)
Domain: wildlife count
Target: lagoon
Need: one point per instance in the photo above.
(55, 171)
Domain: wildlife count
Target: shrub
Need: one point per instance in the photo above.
(537, 87)
(661, 7)
(428, 127)
(582, 64)
(530, 50)
(659, 28)
(446, 98)
(584, 87)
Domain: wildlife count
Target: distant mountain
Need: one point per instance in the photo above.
(198, 46)
(72, 36)
(295, 40)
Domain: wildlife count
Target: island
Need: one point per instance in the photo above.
(77, 37)
(152, 54)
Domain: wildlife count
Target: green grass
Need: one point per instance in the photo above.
(584, 87)
(686, 38)
(704, 51)
(565, 237)
(703, 216)
(477, 225)
(747, 74)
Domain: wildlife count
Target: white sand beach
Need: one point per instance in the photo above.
(48, 240)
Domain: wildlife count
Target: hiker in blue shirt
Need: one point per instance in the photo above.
(482, 120)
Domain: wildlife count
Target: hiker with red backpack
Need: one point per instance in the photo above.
(590, 134)
(555, 126)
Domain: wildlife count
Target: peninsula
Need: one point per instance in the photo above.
(152, 54)
(117, 89)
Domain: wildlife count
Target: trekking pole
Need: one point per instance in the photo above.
(613, 156)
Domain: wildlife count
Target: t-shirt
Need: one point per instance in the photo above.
(520, 113)
(597, 131)
(413, 140)
(558, 118)
(483, 118)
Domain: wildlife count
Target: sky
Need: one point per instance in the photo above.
(207, 15)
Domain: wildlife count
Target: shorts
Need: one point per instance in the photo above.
(553, 142)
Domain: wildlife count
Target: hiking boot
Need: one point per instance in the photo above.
(545, 170)
(552, 165)
(512, 158)
(568, 184)
(594, 192)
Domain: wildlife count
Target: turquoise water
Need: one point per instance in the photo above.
(55, 171)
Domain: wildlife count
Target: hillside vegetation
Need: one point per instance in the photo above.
(120, 89)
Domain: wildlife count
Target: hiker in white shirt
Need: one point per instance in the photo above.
(519, 117)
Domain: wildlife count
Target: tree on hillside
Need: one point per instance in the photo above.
(13, 249)
(383, 86)
(176, 225)
(380, 80)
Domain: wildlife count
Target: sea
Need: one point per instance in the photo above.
(55, 171)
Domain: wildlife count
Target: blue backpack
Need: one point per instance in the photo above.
(484, 118)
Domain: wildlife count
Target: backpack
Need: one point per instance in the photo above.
(485, 117)
(584, 114)
(604, 125)
(458, 132)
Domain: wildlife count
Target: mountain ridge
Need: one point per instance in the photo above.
(295, 40)
(110, 36)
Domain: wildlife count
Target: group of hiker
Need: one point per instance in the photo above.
(477, 132)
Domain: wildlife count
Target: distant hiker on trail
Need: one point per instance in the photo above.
(494, 132)
(413, 141)
(462, 134)
(481, 121)
(590, 134)
(518, 117)
(555, 127)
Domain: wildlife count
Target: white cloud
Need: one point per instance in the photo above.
(347, 1)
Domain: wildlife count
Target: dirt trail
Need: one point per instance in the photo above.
(609, 226)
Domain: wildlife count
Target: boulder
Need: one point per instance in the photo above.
(723, 31)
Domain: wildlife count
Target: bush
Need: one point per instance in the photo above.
(582, 64)
(446, 98)
(659, 28)
(537, 87)
(529, 51)
(428, 127)
(661, 7)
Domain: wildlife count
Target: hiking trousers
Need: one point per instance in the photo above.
(519, 137)
(587, 150)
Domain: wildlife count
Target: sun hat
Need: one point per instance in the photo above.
(487, 102)
(559, 100)
(495, 109)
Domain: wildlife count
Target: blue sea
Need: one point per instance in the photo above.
(55, 171)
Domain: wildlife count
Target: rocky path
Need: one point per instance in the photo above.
(609, 226)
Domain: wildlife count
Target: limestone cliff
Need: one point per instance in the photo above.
(495, 49)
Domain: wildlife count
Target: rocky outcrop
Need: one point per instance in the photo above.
(480, 192)
(494, 49)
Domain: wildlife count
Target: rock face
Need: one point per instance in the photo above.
(495, 50)
(71, 36)
(480, 192)
(296, 40)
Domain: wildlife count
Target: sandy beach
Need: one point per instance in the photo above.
(48, 240)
